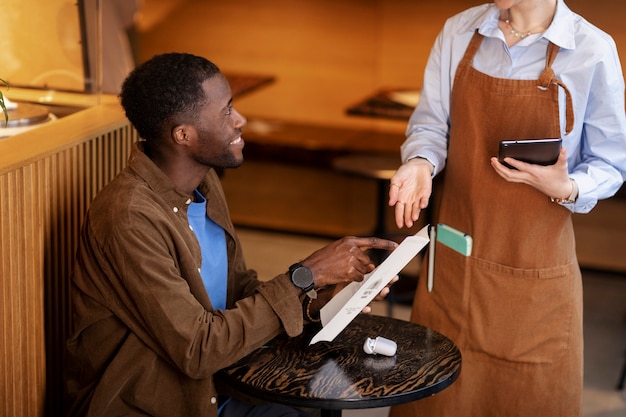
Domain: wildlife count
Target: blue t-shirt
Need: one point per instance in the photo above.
(212, 238)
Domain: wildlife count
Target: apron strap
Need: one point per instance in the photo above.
(473, 46)
(547, 78)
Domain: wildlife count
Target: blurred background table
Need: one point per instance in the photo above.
(390, 103)
(244, 83)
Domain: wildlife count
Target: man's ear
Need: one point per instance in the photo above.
(181, 134)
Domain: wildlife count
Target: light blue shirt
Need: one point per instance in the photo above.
(212, 239)
(587, 64)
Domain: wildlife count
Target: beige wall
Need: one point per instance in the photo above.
(325, 54)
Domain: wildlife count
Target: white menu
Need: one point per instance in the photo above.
(350, 301)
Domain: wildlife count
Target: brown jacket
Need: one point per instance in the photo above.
(145, 339)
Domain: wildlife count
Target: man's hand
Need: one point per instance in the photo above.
(382, 294)
(324, 296)
(345, 260)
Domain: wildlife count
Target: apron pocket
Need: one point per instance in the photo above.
(520, 315)
(445, 308)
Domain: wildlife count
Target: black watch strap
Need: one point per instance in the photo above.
(302, 277)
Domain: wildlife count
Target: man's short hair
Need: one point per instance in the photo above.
(163, 90)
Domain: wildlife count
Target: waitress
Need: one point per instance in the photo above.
(513, 69)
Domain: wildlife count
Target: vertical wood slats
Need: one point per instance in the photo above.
(42, 206)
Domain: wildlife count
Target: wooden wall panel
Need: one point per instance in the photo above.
(42, 206)
(22, 336)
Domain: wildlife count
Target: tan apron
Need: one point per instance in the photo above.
(514, 307)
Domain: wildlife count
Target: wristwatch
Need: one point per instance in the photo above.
(302, 277)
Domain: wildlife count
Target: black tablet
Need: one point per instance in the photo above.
(533, 151)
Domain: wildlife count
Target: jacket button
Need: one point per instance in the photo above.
(213, 400)
(175, 209)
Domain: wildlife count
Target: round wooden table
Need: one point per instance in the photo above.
(340, 375)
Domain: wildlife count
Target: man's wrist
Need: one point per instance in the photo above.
(310, 316)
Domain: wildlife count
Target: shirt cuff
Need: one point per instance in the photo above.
(284, 298)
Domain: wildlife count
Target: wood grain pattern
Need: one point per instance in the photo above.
(48, 177)
(340, 375)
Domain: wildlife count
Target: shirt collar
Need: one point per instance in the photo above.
(486, 20)
(156, 179)
(560, 32)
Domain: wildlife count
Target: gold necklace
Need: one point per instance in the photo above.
(515, 32)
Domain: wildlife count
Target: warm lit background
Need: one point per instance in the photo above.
(325, 54)
(40, 44)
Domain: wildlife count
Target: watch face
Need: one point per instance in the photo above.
(302, 277)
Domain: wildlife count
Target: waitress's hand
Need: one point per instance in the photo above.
(552, 180)
(410, 190)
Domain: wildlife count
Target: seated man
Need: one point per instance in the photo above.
(161, 295)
